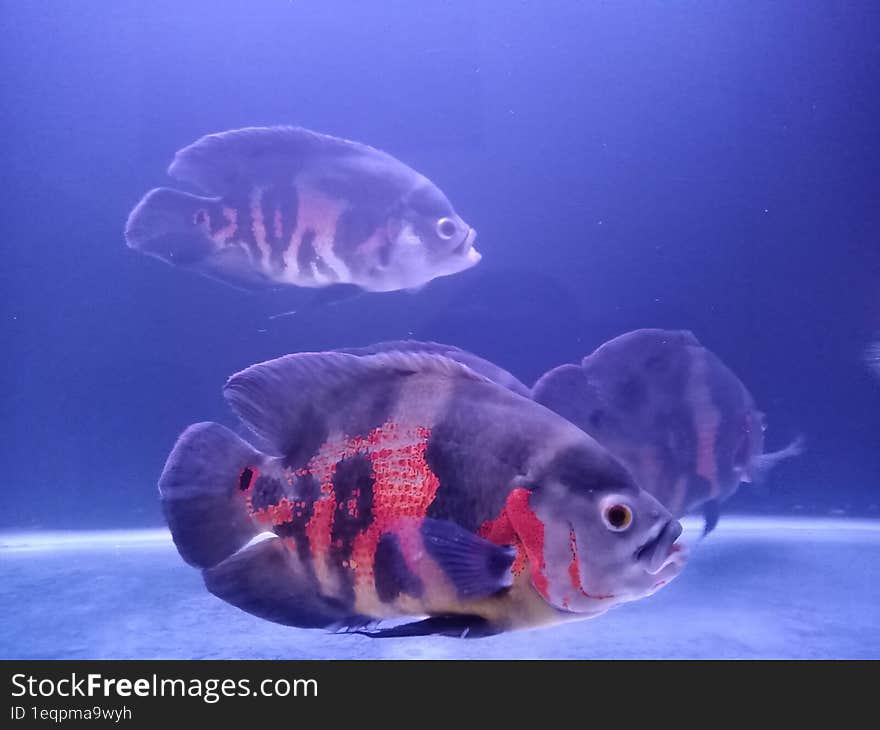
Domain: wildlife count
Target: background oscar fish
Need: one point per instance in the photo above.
(680, 420)
(408, 484)
(287, 206)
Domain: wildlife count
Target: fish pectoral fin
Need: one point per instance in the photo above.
(764, 463)
(475, 566)
(233, 267)
(266, 580)
(333, 294)
(327, 296)
(459, 626)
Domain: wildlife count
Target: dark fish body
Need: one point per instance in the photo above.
(681, 421)
(287, 206)
(408, 485)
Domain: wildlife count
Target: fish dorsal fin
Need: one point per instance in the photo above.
(284, 400)
(243, 158)
(568, 391)
(476, 363)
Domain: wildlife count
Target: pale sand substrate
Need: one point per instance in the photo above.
(756, 588)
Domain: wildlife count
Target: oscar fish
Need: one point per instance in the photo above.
(288, 206)
(667, 407)
(406, 485)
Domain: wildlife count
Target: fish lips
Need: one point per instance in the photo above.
(655, 553)
(466, 247)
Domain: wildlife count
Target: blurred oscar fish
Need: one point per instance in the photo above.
(667, 407)
(407, 484)
(872, 357)
(287, 206)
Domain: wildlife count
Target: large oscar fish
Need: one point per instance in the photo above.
(406, 484)
(286, 206)
(681, 421)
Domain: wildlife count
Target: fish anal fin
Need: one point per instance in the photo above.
(265, 579)
(711, 515)
(459, 626)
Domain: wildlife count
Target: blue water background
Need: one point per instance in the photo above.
(702, 165)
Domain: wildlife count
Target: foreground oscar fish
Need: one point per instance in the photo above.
(290, 206)
(668, 408)
(407, 484)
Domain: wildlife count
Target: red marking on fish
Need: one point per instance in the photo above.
(574, 569)
(403, 488)
(275, 514)
(320, 527)
(519, 525)
(501, 532)
(574, 572)
(228, 231)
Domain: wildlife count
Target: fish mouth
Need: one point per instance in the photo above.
(656, 553)
(467, 244)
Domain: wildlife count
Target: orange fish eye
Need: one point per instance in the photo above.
(617, 517)
(446, 228)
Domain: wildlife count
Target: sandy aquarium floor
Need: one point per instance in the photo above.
(756, 588)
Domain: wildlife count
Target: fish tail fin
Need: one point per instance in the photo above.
(204, 491)
(766, 462)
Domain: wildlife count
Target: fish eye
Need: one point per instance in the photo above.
(201, 217)
(617, 517)
(446, 228)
